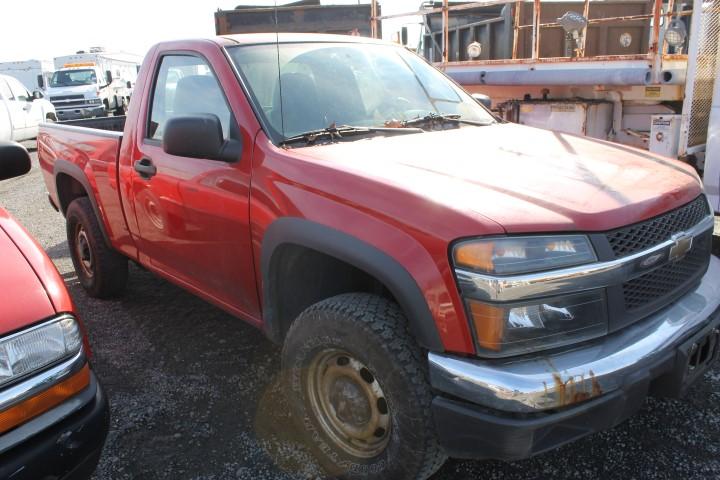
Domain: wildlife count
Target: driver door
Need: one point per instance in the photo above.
(18, 116)
(193, 213)
(30, 113)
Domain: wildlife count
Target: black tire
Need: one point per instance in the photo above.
(102, 271)
(369, 332)
(121, 107)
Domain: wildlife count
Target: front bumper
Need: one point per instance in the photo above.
(77, 113)
(61, 444)
(515, 408)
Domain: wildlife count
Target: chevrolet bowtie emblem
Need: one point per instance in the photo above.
(682, 243)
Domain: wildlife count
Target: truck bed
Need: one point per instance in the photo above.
(84, 152)
(112, 124)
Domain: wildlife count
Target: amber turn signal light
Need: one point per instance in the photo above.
(44, 401)
(489, 322)
(476, 255)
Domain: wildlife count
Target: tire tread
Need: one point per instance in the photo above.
(112, 267)
(386, 320)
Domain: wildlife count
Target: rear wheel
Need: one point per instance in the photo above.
(357, 385)
(102, 271)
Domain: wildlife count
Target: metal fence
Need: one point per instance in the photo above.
(701, 75)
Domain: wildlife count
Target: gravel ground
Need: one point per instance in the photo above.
(193, 393)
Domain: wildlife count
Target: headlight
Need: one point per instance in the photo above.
(502, 330)
(513, 255)
(94, 101)
(530, 324)
(30, 350)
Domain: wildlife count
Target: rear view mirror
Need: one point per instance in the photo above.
(37, 95)
(108, 77)
(199, 136)
(483, 100)
(14, 160)
(128, 84)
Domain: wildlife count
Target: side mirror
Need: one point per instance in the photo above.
(128, 84)
(14, 160)
(482, 99)
(108, 77)
(41, 81)
(404, 35)
(199, 136)
(37, 95)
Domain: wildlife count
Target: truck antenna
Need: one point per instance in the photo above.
(277, 46)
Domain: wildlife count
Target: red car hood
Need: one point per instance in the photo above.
(525, 179)
(24, 298)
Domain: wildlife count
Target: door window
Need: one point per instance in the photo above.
(5, 91)
(19, 91)
(184, 85)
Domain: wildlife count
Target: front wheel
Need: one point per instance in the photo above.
(357, 383)
(121, 108)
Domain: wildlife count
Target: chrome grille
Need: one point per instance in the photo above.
(68, 101)
(647, 234)
(668, 278)
(60, 98)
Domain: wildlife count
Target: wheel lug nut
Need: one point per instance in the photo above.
(366, 375)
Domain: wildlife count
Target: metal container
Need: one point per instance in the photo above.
(298, 17)
(665, 135)
(492, 26)
(580, 117)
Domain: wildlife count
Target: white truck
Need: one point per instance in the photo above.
(34, 74)
(21, 112)
(92, 84)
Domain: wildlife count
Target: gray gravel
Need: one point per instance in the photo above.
(193, 392)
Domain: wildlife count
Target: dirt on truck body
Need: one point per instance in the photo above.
(442, 283)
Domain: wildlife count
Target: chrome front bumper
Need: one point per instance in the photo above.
(79, 112)
(554, 380)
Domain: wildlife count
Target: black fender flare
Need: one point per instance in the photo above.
(361, 255)
(68, 168)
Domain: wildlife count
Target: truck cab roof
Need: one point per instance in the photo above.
(283, 37)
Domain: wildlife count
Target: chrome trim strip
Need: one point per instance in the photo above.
(35, 384)
(566, 280)
(542, 382)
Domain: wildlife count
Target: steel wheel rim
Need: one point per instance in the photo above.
(349, 403)
(83, 251)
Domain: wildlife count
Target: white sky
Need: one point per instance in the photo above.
(44, 29)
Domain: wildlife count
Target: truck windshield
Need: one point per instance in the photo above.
(300, 87)
(71, 78)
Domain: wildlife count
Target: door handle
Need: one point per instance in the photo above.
(145, 168)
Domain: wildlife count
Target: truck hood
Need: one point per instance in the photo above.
(25, 300)
(523, 178)
(88, 91)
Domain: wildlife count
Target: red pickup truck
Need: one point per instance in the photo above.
(54, 415)
(442, 283)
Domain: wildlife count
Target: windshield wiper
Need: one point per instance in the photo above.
(338, 133)
(440, 118)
